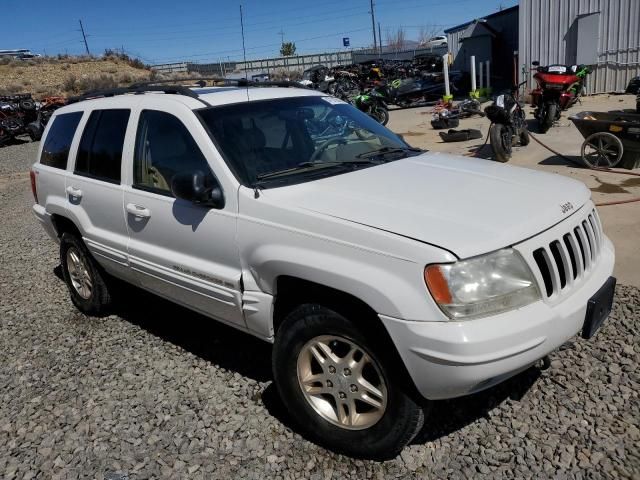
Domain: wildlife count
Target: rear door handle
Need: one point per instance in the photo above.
(138, 210)
(74, 192)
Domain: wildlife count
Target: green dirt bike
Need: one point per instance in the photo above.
(372, 104)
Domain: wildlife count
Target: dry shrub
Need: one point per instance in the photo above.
(12, 89)
(284, 74)
(100, 82)
(11, 62)
(70, 84)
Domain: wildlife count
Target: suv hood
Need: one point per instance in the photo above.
(467, 206)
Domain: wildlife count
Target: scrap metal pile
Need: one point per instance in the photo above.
(21, 115)
(374, 85)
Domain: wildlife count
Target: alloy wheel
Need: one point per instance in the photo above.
(79, 273)
(342, 382)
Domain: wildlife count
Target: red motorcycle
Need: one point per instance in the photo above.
(559, 87)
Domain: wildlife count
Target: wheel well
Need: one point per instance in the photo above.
(64, 225)
(292, 292)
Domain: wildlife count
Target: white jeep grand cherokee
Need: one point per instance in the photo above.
(382, 274)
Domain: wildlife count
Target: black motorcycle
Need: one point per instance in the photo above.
(508, 126)
(417, 91)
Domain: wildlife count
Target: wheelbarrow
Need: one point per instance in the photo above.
(611, 138)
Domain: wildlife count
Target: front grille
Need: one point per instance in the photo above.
(568, 259)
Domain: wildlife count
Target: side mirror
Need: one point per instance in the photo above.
(198, 188)
(535, 63)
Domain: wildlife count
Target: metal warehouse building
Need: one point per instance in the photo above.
(602, 33)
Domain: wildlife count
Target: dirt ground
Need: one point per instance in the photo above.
(621, 222)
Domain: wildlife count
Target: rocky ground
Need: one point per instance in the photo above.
(158, 392)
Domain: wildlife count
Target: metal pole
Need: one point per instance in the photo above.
(84, 37)
(445, 69)
(473, 73)
(380, 38)
(373, 26)
(488, 75)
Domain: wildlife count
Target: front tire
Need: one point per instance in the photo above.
(339, 385)
(83, 276)
(380, 114)
(500, 138)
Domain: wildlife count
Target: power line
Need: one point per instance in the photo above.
(218, 53)
(207, 33)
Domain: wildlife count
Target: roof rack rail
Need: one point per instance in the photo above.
(172, 88)
(136, 89)
(240, 82)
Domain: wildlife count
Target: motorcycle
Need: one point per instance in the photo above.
(372, 103)
(559, 87)
(417, 91)
(508, 126)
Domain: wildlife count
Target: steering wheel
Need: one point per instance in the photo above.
(360, 133)
(326, 144)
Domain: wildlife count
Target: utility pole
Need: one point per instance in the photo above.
(84, 37)
(380, 38)
(281, 33)
(373, 26)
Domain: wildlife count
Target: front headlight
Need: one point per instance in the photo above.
(481, 286)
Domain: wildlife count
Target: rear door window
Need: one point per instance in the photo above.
(55, 151)
(100, 150)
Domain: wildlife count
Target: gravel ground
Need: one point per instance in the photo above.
(158, 392)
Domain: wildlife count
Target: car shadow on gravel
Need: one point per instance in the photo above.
(204, 337)
(448, 416)
(445, 416)
(240, 352)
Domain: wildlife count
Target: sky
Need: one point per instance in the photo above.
(164, 31)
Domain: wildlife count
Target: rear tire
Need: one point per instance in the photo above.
(500, 145)
(550, 115)
(376, 432)
(525, 138)
(83, 276)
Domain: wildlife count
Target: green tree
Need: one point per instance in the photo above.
(288, 49)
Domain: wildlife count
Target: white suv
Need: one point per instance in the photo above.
(382, 274)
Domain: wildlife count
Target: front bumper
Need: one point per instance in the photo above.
(451, 359)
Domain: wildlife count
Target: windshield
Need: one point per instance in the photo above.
(292, 140)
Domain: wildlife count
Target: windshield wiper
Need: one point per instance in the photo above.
(380, 152)
(314, 165)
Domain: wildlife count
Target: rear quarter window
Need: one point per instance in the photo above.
(55, 151)
(100, 150)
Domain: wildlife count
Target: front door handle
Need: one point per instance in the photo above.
(74, 192)
(138, 210)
